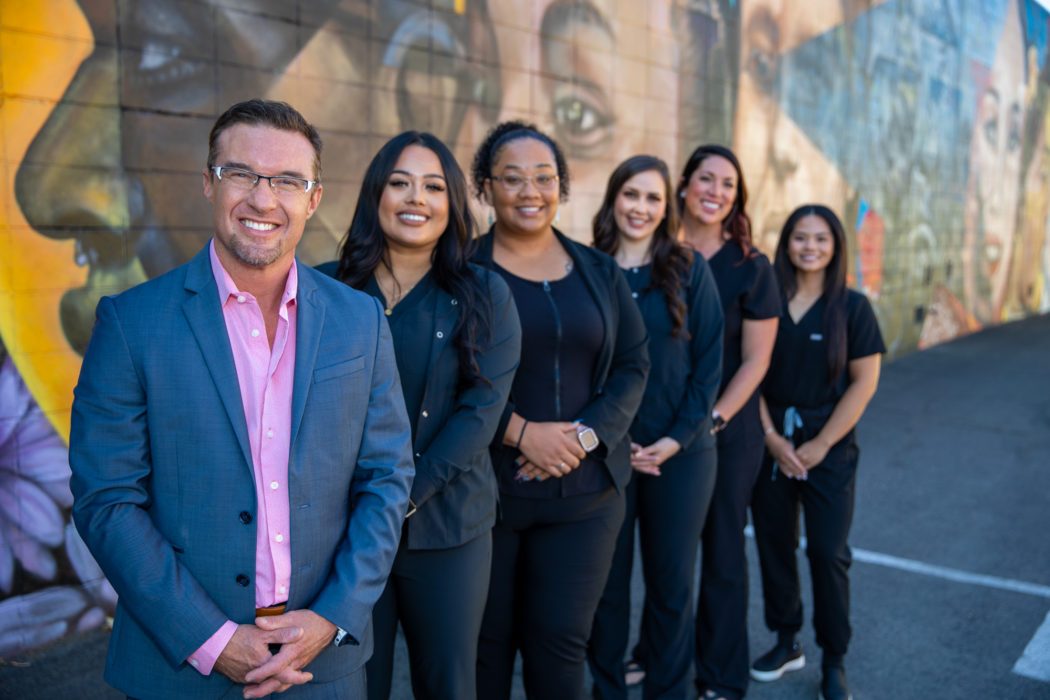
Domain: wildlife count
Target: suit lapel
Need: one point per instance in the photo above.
(309, 322)
(204, 315)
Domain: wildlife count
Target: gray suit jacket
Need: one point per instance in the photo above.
(164, 487)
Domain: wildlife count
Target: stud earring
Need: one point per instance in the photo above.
(492, 218)
(557, 216)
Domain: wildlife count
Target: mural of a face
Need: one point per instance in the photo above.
(598, 77)
(782, 166)
(994, 184)
(110, 169)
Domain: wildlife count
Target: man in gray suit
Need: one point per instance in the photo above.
(240, 450)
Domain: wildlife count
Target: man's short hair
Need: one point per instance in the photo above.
(279, 115)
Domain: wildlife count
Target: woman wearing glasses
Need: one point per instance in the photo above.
(562, 456)
(456, 342)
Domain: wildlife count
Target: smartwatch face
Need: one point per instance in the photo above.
(588, 439)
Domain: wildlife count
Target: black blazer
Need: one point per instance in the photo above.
(618, 379)
(687, 369)
(455, 485)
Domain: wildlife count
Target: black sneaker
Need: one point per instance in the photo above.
(778, 661)
(834, 685)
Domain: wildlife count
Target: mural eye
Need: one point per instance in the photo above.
(990, 129)
(582, 123)
(762, 67)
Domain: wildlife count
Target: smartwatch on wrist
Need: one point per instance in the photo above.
(717, 422)
(588, 439)
(341, 637)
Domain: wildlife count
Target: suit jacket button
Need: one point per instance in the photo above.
(245, 517)
(243, 580)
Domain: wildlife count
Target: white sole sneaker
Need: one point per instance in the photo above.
(777, 673)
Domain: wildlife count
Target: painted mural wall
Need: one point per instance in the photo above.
(923, 122)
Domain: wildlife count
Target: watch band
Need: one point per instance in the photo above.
(340, 637)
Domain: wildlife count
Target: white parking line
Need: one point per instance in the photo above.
(1034, 662)
(943, 572)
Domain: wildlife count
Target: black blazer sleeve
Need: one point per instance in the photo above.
(617, 393)
(705, 325)
(478, 410)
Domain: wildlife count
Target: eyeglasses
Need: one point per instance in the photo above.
(515, 183)
(247, 180)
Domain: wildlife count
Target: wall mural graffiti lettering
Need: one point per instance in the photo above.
(924, 123)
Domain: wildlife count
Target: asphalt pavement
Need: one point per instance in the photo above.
(951, 541)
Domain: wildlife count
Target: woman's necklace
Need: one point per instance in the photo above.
(391, 296)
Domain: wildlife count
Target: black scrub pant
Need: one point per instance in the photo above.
(670, 511)
(550, 561)
(827, 497)
(439, 597)
(721, 621)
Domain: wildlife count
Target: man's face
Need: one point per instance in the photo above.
(259, 227)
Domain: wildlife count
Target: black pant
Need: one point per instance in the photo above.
(827, 497)
(550, 561)
(670, 509)
(721, 621)
(439, 597)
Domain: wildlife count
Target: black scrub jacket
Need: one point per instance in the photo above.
(618, 377)
(686, 369)
(454, 487)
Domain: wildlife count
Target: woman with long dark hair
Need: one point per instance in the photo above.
(824, 371)
(457, 343)
(672, 450)
(712, 200)
(562, 456)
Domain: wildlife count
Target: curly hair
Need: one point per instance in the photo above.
(671, 259)
(501, 135)
(737, 224)
(365, 247)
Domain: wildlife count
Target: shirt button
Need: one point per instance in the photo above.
(440, 334)
(274, 485)
(426, 414)
(193, 662)
(634, 270)
(279, 537)
(282, 589)
(269, 433)
(245, 517)
(634, 294)
(255, 332)
(241, 299)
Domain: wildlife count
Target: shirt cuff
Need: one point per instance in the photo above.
(204, 658)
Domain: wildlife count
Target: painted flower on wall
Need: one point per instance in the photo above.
(35, 529)
(34, 483)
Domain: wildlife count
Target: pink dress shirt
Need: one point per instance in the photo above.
(265, 376)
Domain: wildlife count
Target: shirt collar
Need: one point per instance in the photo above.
(228, 288)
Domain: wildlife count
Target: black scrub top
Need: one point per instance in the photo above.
(798, 373)
(411, 328)
(748, 288)
(561, 339)
(686, 369)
